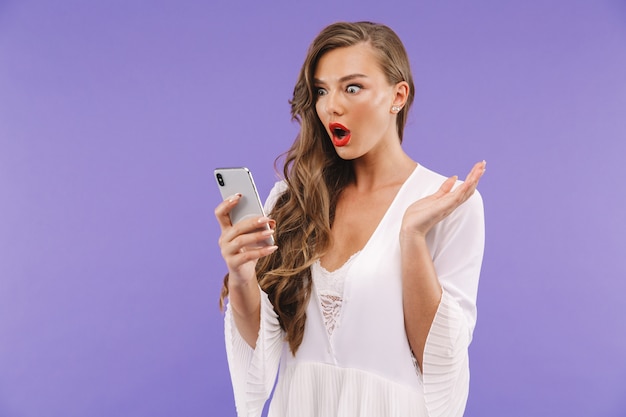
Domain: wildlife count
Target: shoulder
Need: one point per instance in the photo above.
(277, 190)
(427, 178)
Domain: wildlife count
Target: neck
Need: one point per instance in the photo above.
(389, 167)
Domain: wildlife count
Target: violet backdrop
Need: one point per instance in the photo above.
(113, 115)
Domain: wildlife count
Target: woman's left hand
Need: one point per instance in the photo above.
(421, 216)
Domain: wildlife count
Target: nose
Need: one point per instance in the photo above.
(333, 104)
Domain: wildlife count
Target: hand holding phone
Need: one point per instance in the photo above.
(231, 181)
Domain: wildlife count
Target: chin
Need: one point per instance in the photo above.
(346, 154)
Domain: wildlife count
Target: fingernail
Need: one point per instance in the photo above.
(264, 220)
(234, 197)
(271, 249)
(268, 232)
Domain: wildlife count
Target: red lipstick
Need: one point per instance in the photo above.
(340, 134)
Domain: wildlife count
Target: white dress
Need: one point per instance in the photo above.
(365, 367)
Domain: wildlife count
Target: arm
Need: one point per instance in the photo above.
(253, 370)
(422, 287)
(241, 248)
(421, 293)
(252, 332)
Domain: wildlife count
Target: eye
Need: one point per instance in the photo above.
(320, 91)
(353, 89)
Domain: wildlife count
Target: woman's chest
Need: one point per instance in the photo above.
(357, 216)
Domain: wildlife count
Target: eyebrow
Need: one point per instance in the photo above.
(342, 79)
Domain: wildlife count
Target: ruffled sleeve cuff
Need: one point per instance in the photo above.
(253, 371)
(446, 365)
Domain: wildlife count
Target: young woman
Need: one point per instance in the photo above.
(367, 301)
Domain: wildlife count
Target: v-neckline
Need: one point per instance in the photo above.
(347, 283)
(380, 222)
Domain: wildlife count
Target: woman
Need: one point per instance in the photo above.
(367, 301)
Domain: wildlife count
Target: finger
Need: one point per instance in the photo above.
(244, 228)
(248, 255)
(446, 186)
(249, 241)
(472, 177)
(467, 188)
(222, 211)
(477, 172)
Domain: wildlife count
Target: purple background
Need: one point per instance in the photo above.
(113, 115)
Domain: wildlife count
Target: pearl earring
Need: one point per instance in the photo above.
(395, 109)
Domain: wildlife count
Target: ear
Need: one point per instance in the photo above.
(401, 94)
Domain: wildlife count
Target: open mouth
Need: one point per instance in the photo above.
(340, 134)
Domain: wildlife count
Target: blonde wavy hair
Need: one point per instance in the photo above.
(315, 176)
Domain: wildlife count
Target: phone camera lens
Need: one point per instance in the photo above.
(220, 179)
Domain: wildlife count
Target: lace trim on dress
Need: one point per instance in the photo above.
(329, 287)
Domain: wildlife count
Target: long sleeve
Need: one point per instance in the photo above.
(253, 371)
(457, 246)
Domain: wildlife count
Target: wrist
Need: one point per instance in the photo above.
(411, 237)
(237, 282)
(244, 297)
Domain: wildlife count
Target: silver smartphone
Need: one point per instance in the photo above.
(231, 181)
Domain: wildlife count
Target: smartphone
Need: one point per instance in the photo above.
(231, 181)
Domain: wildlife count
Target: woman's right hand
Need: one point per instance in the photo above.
(242, 244)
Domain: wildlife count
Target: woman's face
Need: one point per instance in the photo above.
(354, 101)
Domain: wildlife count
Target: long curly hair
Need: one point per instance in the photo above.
(315, 176)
